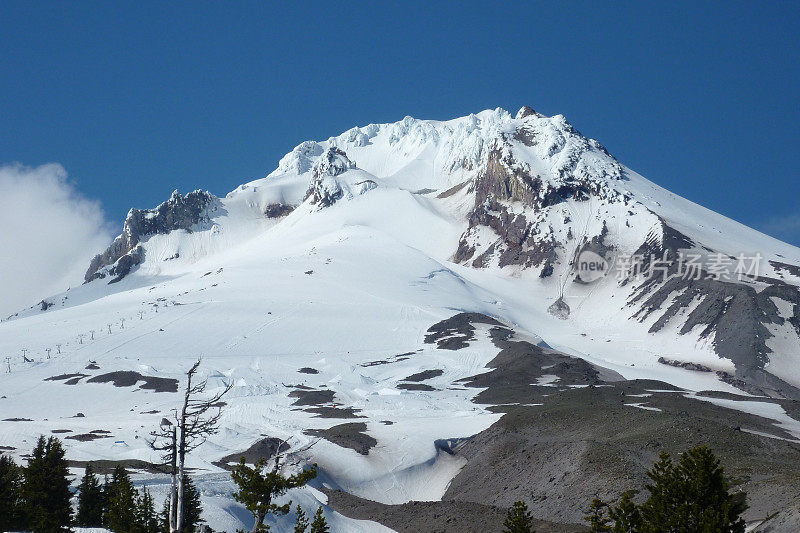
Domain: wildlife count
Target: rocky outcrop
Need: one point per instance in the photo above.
(324, 190)
(179, 212)
(735, 314)
(513, 199)
(277, 210)
(528, 212)
(696, 367)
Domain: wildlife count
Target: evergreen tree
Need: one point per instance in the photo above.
(518, 519)
(598, 516)
(163, 518)
(104, 492)
(10, 489)
(120, 515)
(193, 509)
(146, 518)
(626, 515)
(45, 490)
(691, 495)
(302, 521)
(90, 500)
(319, 524)
(258, 488)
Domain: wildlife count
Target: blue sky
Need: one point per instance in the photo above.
(137, 99)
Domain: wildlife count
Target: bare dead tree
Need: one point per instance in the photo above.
(194, 423)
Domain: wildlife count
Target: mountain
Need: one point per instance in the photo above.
(417, 306)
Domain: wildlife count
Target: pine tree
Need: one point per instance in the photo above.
(598, 517)
(192, 511)
(146, 518)
(302, 521)
(518, 519)
(163, 518)
(626, 515)
(120, 515)
(90, 500)
(10, 489)
(45, 490)
(691, 495)
(319, 524)
(258, 488)
(104, 493)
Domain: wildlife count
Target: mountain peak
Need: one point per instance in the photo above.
(526, 111)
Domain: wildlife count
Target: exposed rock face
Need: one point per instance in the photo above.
(324, 191)
(512, 200)
(683, 364)
(523, 217)
(559, 309)
(277, 210)
(179, 212)
(526, 111)
(736, 314)
(332, 163)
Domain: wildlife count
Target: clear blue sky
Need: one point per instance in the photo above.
(137, 99)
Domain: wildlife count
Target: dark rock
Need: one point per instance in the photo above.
(179, 212)
(452, 190)
(526, 111)
(334, 412)
(737, 314)
(266, 448)
(332, 163)
(683, 364)
(425, 374)
(351, 435)
(454, 333)
(278, 210)
(63, 377)
(130, 378)
(312, 397)
(86, 437)
(415, 386)
(794, 270)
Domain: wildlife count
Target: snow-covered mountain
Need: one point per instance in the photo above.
(329, 293)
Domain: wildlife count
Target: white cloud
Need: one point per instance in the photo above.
(48, 234)
(785, 228)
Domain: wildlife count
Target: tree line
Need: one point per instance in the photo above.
(692, 494)
(37, 497)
